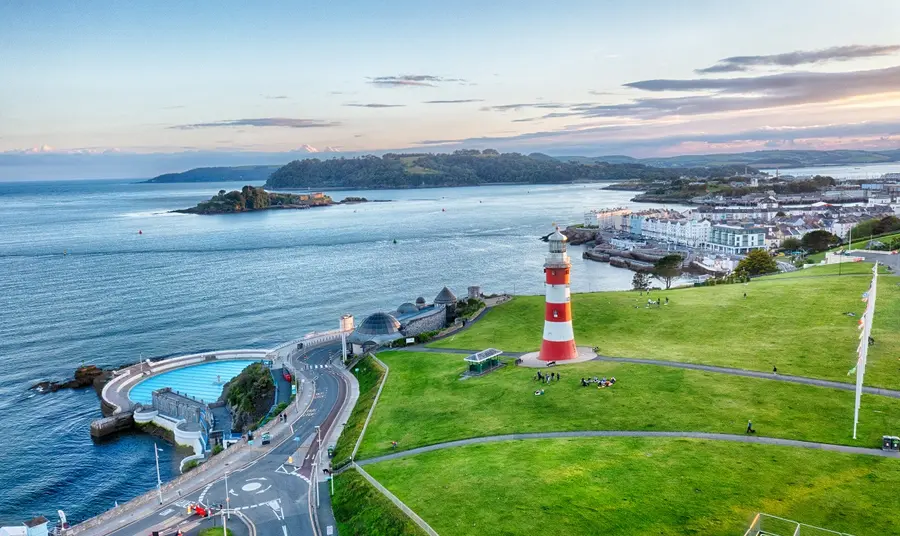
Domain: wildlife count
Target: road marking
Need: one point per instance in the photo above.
(231, 491)
(184, 504)
(257, 478)
(263, 490)
(284, 530)
(329, 530)
(253, 486)
(202, 494)
(166, 512)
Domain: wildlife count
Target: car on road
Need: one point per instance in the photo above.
(266, 438)
(287, 375)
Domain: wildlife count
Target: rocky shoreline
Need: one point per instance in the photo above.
(85, 376)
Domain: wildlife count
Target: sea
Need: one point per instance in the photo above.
(101, 272)
(852, 172)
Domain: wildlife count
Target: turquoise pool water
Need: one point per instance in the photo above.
(203, 381)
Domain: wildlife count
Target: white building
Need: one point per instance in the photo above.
(684, 232)
(736, 239)
(607, 218)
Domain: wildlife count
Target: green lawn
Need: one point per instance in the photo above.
(424, 402)
(215, 531)
(360, 510)
(845, 268)
(369, 375)
(857, 244)
(796, 323)
(631, 486)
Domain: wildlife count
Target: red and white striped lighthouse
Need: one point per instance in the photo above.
(559, 339)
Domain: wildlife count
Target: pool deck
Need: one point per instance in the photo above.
(115, 392)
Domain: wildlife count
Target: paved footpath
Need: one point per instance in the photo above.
(695, 366)
(632, 433)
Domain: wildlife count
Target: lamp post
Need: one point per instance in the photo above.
(158, 479)
(227, 500)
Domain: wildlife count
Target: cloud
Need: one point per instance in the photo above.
(452, 101)
(718, 95)
(275, 97)
(411, 80)
(800, 57)
(374, 105)
(282, 122)
(523, 105)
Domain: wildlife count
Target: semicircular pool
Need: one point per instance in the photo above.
(203, 382)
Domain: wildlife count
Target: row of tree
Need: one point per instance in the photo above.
(464, 168)
(669, 268)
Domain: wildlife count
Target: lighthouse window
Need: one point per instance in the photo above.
(552, 272)
(555, 313)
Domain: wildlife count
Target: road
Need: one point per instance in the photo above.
(273, 491)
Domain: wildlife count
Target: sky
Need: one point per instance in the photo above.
(132, 89)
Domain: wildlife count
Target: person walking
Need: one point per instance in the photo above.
(557, 376)
(774, 369)
(750, 429)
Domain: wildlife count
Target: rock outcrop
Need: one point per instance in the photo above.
(85, 376)
(249, 396)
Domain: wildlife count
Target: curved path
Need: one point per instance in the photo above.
(696, 366)
(633, 433)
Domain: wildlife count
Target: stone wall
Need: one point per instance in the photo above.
(432, 322)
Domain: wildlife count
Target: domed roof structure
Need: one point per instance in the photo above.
(407, 308)
(445, 297)
(379, 324)
(557, 236)
(420, 301)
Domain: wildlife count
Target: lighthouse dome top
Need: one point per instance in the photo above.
(557, 236)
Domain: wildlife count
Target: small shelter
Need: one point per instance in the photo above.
(483, 361)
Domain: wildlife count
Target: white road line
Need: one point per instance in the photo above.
(166, 512)
(284, 530)
(203, 493)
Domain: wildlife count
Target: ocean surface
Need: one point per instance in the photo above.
(80, 285)
(852, 172)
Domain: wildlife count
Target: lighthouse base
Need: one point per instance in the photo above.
(533, 360)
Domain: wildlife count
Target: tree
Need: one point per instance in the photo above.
(640, 281)
(819, 241)
(757, 262)
(791, 244)
(668, 268)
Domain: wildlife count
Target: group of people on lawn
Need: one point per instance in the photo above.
(601, 382)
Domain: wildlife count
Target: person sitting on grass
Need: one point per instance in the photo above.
(539, 392)
(583, 383)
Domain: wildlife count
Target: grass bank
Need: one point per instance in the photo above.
(639, 486)
(360, 510)
(424, 402)
(795, 323)
(369, 375)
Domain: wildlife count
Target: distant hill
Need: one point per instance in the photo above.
(249, 174)
(757, 159)
(469, 167)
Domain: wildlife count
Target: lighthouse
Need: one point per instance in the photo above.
(559, 339)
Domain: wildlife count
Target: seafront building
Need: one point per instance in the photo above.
(410, 319)
(736, 239)
(607, 218)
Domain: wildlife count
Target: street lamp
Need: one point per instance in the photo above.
(156, 450)
(227, 500)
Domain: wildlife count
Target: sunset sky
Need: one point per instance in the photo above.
(100, 88)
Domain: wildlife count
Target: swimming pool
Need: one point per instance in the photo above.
(203, 381)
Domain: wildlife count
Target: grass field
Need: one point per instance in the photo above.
(628, 486)
(845, 268)
(424, 402)
(795, 323)
(369, 376)
(362, 511)
(857, 244)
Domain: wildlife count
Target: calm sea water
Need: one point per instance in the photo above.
(195, 283)
(853, 172)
